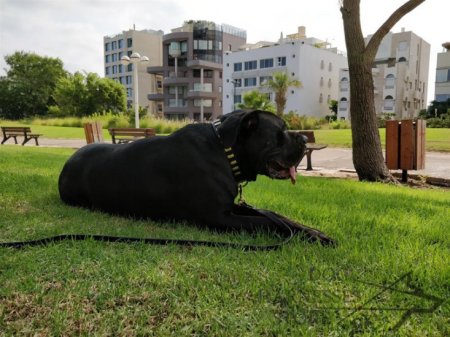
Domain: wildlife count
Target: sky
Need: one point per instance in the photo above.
(73, 30)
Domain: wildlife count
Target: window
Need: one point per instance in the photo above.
(329, 83)
(114, 57)
(442, 98)
(120, 68)
(114, 45)
(320, 98)
(129, 92)
(266, 63)
(344, 84)
(114, 69)
(389, 103)
(120, 43)
(442, 75)
(130, 67)
(330, 66)
(129, 79)
(238, 66)
(107, 58)
(106, 70)
(264, 79)
(390, 81)
(250, 65)
(343, 104)
(237, 82)
(237, 99)
(206, 103)
(321, 81)
(250, 82)
(322, 64)
(403, 46)
(281, 61)
(129, 42)
(107, 46)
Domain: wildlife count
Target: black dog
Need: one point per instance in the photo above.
(191, 175)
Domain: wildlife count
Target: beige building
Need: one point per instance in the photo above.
(190, 83)
(400, 76)
(146, 43)
(442, 89)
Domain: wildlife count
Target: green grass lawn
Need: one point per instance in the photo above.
(436, 139)
(393, 256)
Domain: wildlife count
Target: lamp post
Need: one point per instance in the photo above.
(135, 59)
(233, 107)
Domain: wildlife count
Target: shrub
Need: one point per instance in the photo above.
(296, 122)
(439, 122)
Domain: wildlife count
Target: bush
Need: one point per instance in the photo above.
(110, 120)
(296, 122)
(439, 122)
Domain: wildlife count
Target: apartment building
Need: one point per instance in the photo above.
(309, 60)
(190, 84)
(146, 43)
(442, 89)
(400, 77)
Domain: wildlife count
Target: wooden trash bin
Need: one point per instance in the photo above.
(405, 145)
(93, 132)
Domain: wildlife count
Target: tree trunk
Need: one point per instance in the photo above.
(367, 152)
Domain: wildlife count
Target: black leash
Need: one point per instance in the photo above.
(155, 241)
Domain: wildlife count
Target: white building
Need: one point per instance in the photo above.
(442, 90)
(400, 77)
(308, 60)
(146, 43)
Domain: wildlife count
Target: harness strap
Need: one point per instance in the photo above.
(228, 152)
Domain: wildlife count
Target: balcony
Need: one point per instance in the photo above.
(157, 70)
(204, 64)
(171, 80)
(155, 97)
(196, 94)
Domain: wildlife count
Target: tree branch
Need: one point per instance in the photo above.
(374, 43)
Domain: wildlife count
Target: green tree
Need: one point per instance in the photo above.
(279, 84)
(84, 94)
(257, 101)
(367, 153)
(29, 84)
(436, 108)
(333, 106)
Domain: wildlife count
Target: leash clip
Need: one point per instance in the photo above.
(241, 200)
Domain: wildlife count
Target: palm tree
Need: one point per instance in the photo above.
(279, 84)
(256, 100)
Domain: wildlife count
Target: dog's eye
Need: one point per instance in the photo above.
(280, 138)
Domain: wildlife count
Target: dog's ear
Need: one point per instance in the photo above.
(240, 122)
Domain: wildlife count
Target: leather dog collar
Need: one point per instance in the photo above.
(228, 152)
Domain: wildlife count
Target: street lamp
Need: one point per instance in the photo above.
(135, 59)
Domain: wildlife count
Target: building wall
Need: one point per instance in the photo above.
(317, 68)
(146, 43)
(400, 75)
(198, 75)
(442, 89)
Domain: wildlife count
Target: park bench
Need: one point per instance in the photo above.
(310, 147)
(16, 131)
(125, 135)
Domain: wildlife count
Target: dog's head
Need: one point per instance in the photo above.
(262, 144)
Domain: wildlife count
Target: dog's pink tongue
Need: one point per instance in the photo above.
(293, 174)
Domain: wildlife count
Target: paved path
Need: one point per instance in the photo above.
(324, 161)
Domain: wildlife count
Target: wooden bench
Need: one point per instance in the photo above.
(125, 135)
(15, 131)
(310, 147)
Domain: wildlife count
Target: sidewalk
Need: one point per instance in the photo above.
(329, 161)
